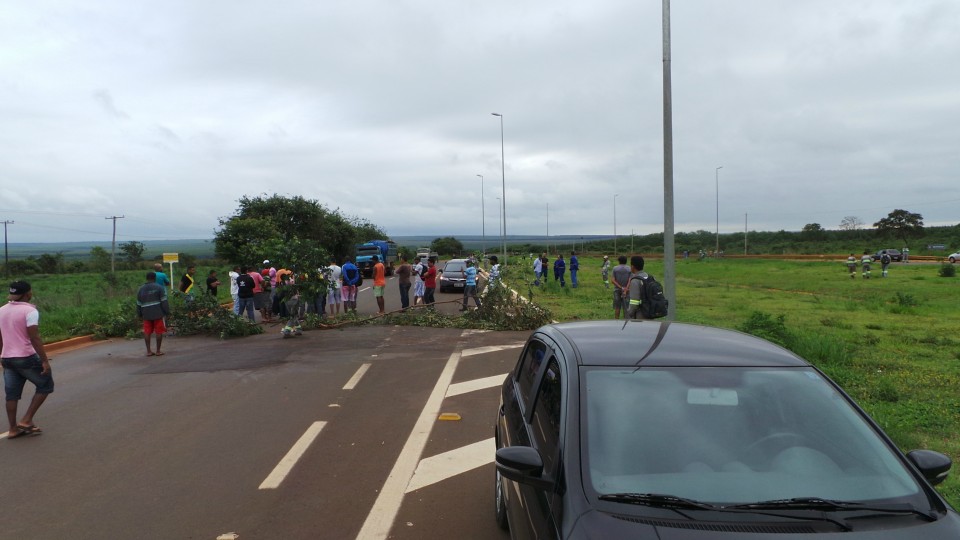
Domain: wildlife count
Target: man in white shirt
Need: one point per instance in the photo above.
(235, 289)
(334, 295)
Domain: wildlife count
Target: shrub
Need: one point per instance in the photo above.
(767, 327)
(947, 270)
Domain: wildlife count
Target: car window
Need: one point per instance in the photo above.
(454, 267)
(527, 370)
(546, 416)
(733, 435)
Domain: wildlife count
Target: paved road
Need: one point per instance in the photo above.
(192, 444)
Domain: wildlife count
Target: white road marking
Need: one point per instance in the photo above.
(449, 464)
(385, 508)
(476, 384)
(352, 383)
(490, 349)
(275, 478)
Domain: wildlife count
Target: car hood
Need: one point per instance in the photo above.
(597, 525)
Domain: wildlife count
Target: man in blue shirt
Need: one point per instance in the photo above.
(351, 277)
(574, 266)
(162, 279)
(470, 287)
(559, 268)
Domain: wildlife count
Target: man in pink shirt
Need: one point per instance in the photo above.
(23, 357)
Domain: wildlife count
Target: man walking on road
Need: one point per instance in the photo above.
(430, 282)
(379, 283)
(152, 307)
(470, 287)
(418, 288)
(23, 358)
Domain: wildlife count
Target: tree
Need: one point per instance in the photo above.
(447, 245)
(132, 251)
(51, 264)
(851, 223)
(99, 259)
(901, 224)
(813, 231)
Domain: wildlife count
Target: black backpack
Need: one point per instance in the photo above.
(885, 258)
(653, 303)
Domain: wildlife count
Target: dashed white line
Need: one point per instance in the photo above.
(448, 464)
(275, 478)
(352, 383)
(476, 384)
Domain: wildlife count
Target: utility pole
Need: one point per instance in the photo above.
(669, 258)
(6, 254)
(113, 244)
(744, 234)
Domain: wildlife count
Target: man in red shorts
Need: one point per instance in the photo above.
(152, 307)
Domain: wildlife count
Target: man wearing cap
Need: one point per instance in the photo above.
(23, 357)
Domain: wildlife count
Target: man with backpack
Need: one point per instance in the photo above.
(647, 300)
(884, 263)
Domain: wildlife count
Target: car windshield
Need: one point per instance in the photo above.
(732, 435)
(368, 251)
(454, 266)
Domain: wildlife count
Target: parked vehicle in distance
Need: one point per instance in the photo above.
(654, 430)
(424, 253)
(895, 255)
(385, 250)
(954, 257)
(452, 277)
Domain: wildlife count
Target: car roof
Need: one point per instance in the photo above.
(458, 261)
(626, 343)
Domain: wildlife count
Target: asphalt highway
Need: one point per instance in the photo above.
(332, 434)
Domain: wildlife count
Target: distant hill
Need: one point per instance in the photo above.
(202, 249)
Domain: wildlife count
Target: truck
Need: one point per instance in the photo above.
(424, 253)
(385, 250)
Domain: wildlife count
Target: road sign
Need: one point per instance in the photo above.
(171, 257)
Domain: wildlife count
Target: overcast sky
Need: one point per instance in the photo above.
(168, 112)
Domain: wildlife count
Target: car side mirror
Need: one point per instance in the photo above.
(522, 464)
(934, 466)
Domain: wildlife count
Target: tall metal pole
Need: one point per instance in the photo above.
(669, 259)
(615, 252)
(503, 172)
(483, 217)
(500, 224)
(744, 234)
(113, 244)
(548, 226)
(6, 254)
(716, 252)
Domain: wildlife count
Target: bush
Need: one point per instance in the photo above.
(947, 270)
(769, 328)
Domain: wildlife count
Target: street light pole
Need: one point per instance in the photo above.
(500, 223)
(503, 173)
(615, 223)
(483, 218)
(6, 254)
(716, 252)
(548, 226)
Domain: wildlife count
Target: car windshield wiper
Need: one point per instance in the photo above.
(817, 503)
(657, 500)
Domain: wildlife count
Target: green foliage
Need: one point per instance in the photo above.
(947, 270)
(99, 259)
(51, 264)
(204, 315)
(906, 300)
(447, 246)
(901, 224)
(132, 252)
(768, 327)
(119, 320)
(21, 268)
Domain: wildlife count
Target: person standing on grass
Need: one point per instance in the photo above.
(162, 279)
(403, 278)
(605, 271)
(559, 268)
(574, 267)
(152, 307)
(379, 283)
(852, 266)
(23, 358)
(212, 283)
(884, 263)
(635, 288)
(621, 280)
(234, 274)
(470, 287)
(245, 295)
(430, 282)
(187, 282)
(494, 277)
(537, 267)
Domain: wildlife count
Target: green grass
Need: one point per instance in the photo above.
(891, 343)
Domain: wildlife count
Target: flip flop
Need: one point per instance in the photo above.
(20, 433)
(160, 353)
(29, 430)
(151, 354)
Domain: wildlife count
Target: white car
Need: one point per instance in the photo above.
(954, 257)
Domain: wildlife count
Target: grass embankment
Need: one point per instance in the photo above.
(891, 343)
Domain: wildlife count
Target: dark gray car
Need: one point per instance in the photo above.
(651, 430)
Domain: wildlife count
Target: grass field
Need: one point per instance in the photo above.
(892, 343)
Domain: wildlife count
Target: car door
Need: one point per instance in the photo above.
(537, 423)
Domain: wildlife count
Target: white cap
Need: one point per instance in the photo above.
(266, 261)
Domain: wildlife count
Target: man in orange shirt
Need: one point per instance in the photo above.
(379, 282)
